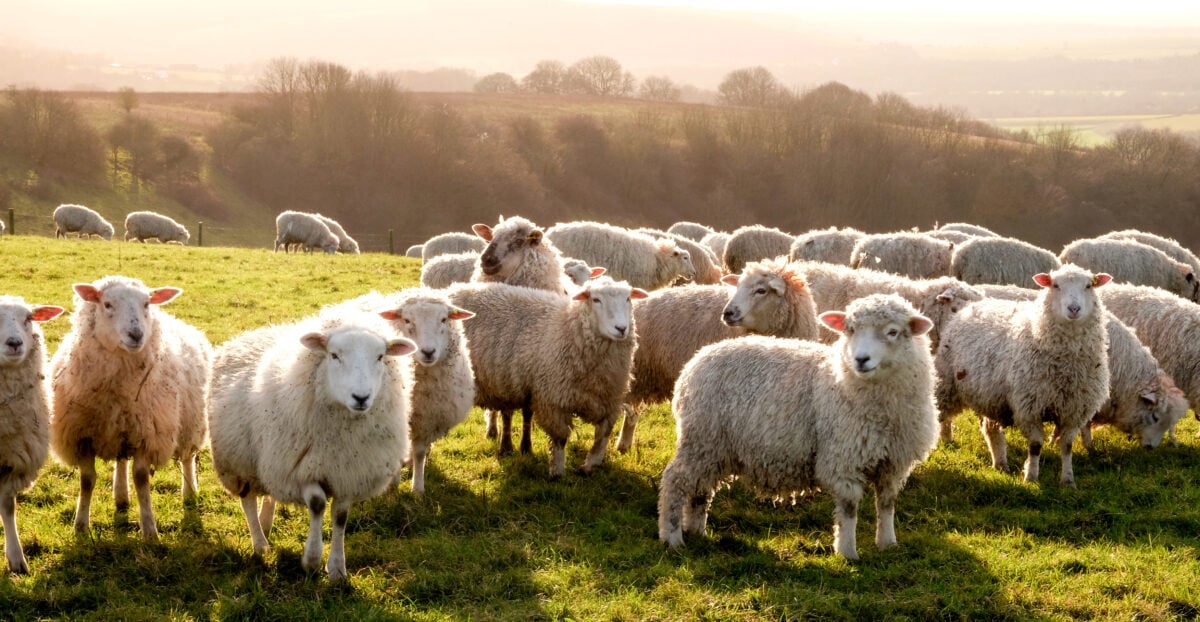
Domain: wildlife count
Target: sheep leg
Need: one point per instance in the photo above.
(599, 448)
(506, 446)
(886, 491)
(141, 484)
(187, 465)
(695, 513)
(420, 452)
(628, 427)
(1085, 435)
(557, 425)
(671, 493)
(489, 420)
(266, 516)
(993, 433)
(526, 430)
(314, 498)
(258, 539)
(12, 544)
(87, 483)
(947, 425)
(1036, 435)
(846, 523)
(1067, 475)
(120, 484)
(336, 566)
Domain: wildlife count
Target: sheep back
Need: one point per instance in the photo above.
(1001, 261)
(914, 255)
(1130, 261)
(753, 243)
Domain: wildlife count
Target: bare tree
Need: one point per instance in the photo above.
(659, 88)
(750, 86)
(601, 76)
(127, 99)
(497, 83)
(547, 78)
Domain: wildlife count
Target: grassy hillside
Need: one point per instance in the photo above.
(499, 539)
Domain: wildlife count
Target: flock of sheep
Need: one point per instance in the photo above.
(822, 361)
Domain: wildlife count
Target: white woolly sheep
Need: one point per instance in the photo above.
(2, 227)
(445, 270)
(830, 245)
(302, 228)
(754, 243)
(129, 382)
(787, 416)
(346, 244)
(1130, 261)
(310, 413)
(914, 255)
(1022, 364)
(690, 230)
(1000, 261)
(1172, 248)
(451, 243)
(70, 218)
(579, 272)
(975, 230)
(142, 226)
(954, 237)
(553, 354)
(716, 243)
(414, 251)
(706, 265)
(636, 258)
(517, 253)
(25, 429)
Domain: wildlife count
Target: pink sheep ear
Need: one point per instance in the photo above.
(163, 295)
(483, 231)
(460, 314)
(638, 294)
(833, 320)
(1043, 279)
(390, 315)
(919, 325)
(46, 313)
(87, 292)
(314, 341)
(730, 279)
(598, 272)
(400, 347)
(534, 237)
(1101, 279)
(582, 295)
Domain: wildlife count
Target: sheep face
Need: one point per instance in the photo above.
(1069, 292)
(579, 272)
(353, 369)
(1162, 405)
(122, 312)
(759, 295)
(16, 328)
(331, 244)
(678, 259)
(428, 324)
(106, 232)
(182, 235)
(877, 332)
(507, 244)
(611, 304)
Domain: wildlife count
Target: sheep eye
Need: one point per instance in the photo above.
(1056, 286)
(1088, 286)
(108, 305)
(760, 291)
(380, 358)
(893, 333)
(443, 320)
(596, 300)
(334, 356)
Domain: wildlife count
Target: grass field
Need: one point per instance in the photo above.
(499, 539)
(1097, 130)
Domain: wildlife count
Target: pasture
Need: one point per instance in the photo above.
(1093, 131)
(499, 539)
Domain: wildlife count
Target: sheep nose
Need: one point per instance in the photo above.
(13, 343)
(1073, 309)
(136, 334)
(728, 315)
(360, 401)
(428, 352)
(861, 361)
(621, 329)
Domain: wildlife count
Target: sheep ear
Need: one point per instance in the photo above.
(582, 295)
(730, 279)
(776, 284)
(638, 294)
(400, 347)
(598, 272)
(483, 231)
(1101, 279)
(1176, 391)
(390, 315)
(460, 314)
(46, 313)
(163, 295)
(919, 325)
(833, 320)
(1150, 396)
(314, 341)
(944, 298)
(534, 237)
(87, 292)
(1043, 279)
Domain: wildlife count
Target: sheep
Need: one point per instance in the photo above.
(445, 270)
(145, 225)
(70, 218)
(633, 257)
(754, 243)
(975, 230)
(1000, 261)
(1024, 363)
(450, 244)
(690, 230)
(2, 227)
(553, 354)
(129, 382)
(25, 428)
(706, 265)
(307, 412)
(914, 255)
(834, 287)
(414, 251)
(1172, 248)
(830, 245)
(517, 253)
(716, 242)
(301, 228)
(770, 299)
(579, 272)
(1130, 261)
(346, 244)
(954, 237)
(787, 416)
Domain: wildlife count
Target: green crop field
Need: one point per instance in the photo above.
(1092, 131)
(499, 539)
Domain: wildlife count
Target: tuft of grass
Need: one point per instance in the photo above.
(499, 539)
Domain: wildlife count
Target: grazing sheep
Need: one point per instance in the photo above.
(69, 218)
(707, 266)
(301, 228)
(450, 244)
(673, 324)
(787, 416)
(1130, 261)
(1172, 248)
(25, 426)
(346, 244)
(754, 243)
(690, 230)
(518, 254)
(129, 382)
(414, 251)
(579, 272)
(446, 270)
(716, 242)
(1025, 363)
(830, 245)
(954, 237)
(553, 354)
(975, 230)
(1000, 261)
(142, 226)
(2, 227)
(306, 413)
(633, 257)
(914, 255)
(834, 287)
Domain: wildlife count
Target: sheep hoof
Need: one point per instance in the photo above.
(262, 551)
(18, 566)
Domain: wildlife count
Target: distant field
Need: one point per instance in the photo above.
(1097, 130)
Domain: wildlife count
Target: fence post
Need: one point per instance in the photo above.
(200, 233)
(12, 222)
(391, 243)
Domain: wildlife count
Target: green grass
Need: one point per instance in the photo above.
(499, 539)
(1092, 131)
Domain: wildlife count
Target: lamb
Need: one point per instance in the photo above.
(690, 230)
(975, 230)
(1129, 261)
(1000, 261)
(914, 255)
(706, 265)
(129, 382)
(414, 251)
(445, 270)
(553, 354)
(754, 243)
(1173, 249)
(716, 242)
(25, 428)
(1024, 363)
(450, 244)
(633, 257)
(142, 226)
(277, 394)
(301, 228)
(787, 416)
(346, 244)
(70, 218)
(517, 254)
(770, 299)
(830, 245)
